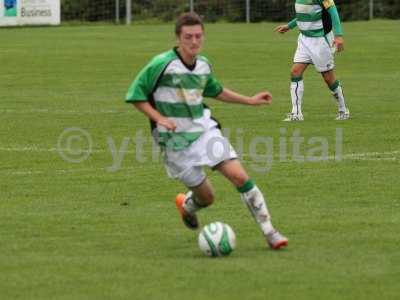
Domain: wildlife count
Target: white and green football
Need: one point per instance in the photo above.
(217, 239)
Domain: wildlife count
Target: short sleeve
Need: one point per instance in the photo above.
(141, 87)
(145, 82)
(213, 88)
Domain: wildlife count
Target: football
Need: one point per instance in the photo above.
(217, 239)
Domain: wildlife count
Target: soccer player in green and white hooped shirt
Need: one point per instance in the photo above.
(170, 91)
(316, 45)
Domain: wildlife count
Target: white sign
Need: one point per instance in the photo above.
(29, 12)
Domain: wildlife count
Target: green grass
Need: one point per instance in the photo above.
(78, 231)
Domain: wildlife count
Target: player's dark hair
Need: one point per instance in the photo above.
(187, 19)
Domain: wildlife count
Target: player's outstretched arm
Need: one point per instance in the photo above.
(286, 27)
(337, 28)
(154, 115)
(261, 98)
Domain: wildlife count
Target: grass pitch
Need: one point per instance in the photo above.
(90, 231)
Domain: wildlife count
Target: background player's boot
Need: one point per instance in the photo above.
(291, 117)
(276, 240)
(189, 219)
(343, 115)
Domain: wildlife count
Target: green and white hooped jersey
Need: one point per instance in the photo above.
(176, 91)
(312, 17)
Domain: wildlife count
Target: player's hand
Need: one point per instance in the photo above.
(338, 43)
(167, 123)
(282, 28)
(262, 98)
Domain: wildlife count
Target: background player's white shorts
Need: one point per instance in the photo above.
(315, 50)
(210, 149)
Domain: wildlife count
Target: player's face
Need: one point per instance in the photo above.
(191, 40)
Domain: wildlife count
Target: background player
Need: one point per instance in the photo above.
(316, 45)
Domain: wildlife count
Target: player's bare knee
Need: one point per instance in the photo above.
(295, 73)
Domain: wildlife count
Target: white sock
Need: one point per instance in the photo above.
(337, 93)
(296, 92)
(255, 202)
(191, 204)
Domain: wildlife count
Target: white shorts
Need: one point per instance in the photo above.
(316, 50)
(210, 149)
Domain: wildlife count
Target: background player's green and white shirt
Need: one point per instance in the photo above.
(176, 91)
(315, 18)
